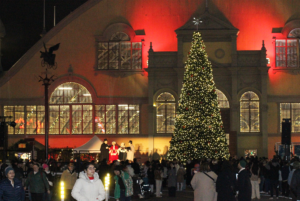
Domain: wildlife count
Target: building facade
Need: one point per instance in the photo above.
(120, 69)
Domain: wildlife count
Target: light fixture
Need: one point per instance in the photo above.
(86, 94)
(65, 88)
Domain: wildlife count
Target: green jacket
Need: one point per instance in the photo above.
(128, 185)
(38, 182)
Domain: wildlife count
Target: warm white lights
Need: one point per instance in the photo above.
(65, 88)
(86, 94)
(62, 190)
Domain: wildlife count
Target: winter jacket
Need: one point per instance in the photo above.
(50, 178)
(295, 184)
(88, 190)
(68, 178)
(150, 174)
(226, 186)
(244, 186)
(38, 182)
(180, 175)
(274, 171)
(172, 177)
(127, 180)
(158, 174)
(204, 186)
(285, 170)
(11, 193)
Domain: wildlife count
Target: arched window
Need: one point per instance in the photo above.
(249, 112)
(222, 99)
(71, 110)
(119, 53)
(165, 113)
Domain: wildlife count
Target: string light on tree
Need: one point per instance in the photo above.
(198, 129)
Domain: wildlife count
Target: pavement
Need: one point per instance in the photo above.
(187, 195)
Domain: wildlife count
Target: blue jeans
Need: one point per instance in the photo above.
(262, 182)
(123, 196)
(267, 185)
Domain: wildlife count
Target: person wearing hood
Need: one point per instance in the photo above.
(88, 187)
(11, 188)
(69, 177)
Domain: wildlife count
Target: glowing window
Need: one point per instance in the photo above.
(222, 99)
(119, 53)
(18, 115)
(287, 54)
(70, 110)
(249, 112)
(291, 111)
(165, 113)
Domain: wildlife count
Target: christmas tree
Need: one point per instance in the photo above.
(198, 129)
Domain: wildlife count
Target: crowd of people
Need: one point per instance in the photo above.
(211, 179)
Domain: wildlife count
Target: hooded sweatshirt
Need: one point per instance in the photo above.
(88, 190)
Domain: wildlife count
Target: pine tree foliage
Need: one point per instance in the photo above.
(198, 129)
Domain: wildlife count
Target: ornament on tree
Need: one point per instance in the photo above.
(183, 127)
(200, 127)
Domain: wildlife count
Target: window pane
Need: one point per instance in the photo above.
(40, 125)
(285, 113)
(54, 119)
(136, 55)
(64, 118)
(125, 55)
(99, 119)
(87, 119)
(76, 119)
(295, 117)
(31, 119)
(170, 117)
(165, 97)
(123, 119)
(254, 116)
(69, 93)
(244, 116)
(160, 118)
(280, 53)
(113, 55)
(9, 111)
(111, 119)
(222, 99)
(102, 55)
(19, 119)
(291, 53)
(134, 119)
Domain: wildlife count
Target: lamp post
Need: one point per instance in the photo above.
(48, 62)
(46, 82)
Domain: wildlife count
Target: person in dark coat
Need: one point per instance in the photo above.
(226, 183)
(104, 150)
(274, 176)
(285, 171)
(11, 188)
(150, 173)
(295, 185)
(19, 173)
(189, 167)
(244, 185)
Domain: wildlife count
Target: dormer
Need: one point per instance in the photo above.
(219, 36)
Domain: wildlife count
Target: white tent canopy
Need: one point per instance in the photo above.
(92, 146)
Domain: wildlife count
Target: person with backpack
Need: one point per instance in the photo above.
(38, 183)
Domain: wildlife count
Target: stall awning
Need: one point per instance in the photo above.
(92, 146)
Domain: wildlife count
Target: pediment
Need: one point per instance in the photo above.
(209, 22)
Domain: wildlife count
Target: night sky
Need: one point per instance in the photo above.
(23, 21)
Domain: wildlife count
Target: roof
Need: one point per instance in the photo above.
(24, 28)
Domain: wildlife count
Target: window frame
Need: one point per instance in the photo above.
(165, 111)
(286, 53)
(249, 110)
(291, 117)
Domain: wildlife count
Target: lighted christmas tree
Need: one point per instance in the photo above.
(198, 129)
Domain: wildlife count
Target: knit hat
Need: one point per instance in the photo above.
(243, 163)
(45, 166)
(8, 169)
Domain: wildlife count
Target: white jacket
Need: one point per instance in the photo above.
(87, 190)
